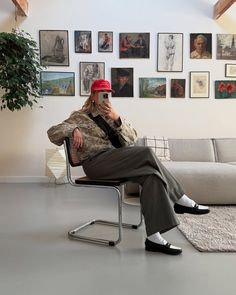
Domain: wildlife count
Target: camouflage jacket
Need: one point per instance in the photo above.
(94, 138)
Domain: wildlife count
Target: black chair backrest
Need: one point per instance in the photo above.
(72, 153)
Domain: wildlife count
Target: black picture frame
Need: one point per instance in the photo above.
(122, 82)
(200, 46)
(89, 72)
(83, 41)
(230, 70)
(134, 45)
(105, 41)
(54, 47)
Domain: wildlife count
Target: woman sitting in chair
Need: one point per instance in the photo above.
(104, 141)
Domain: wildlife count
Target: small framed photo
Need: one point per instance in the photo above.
(57, 83)
(199, 84)
(225, 89)
(170, 52)
(105, 41)
(54, 48)
(89, 72)
(83, 41)
(177, 88)
(134, 45)
(230, 70)
(152, 87)
(122, 82)
(200, 46)
(225, 46)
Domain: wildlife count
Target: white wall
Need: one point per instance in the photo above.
(23, 134)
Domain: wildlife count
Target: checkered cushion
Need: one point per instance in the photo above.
(159, 145)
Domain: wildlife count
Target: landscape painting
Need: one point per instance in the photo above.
(57, 83)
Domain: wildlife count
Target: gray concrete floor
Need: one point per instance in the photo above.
(36, 257)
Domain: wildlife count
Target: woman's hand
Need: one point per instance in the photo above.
(106, 108)
(77, 138)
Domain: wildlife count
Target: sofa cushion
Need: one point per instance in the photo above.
(197, 150)
(225, 149)
(206, 182)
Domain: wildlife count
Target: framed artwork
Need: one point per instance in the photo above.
(134, 45)
(89, 72)
(200, 46)
(225, 89)
(177, 88)
(57, 83)
(105, 41)
(83, 41)
(199, 84)
(169, 52)
(152, 87)
(122, 82)
(230, 70)
(54, 48)
(226, 47)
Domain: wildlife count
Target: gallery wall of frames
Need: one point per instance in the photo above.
(54, 51)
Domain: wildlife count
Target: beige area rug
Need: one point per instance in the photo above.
(213, 232)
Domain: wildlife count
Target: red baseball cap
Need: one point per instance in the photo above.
(101, 85)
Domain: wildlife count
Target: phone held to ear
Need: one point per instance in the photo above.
(103, 97)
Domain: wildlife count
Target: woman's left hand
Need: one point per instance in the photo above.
(106, 108)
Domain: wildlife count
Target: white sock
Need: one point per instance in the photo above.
(186, 201)
(158, 239)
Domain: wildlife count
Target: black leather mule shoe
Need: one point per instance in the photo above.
(180, 209)
(154, 247)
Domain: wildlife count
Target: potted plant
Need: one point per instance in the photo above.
(19, 70)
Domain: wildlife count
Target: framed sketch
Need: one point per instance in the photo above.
(89, 72)
(177, 88)
(230, 70)
(122, 82)
(57, 83)
(152, 87)
(226, 46)
(170, 52)
(83, 41)
(199, 84)
(54, 48)
(201, 46)
(225, 89)
(134, 45)
(105, 41)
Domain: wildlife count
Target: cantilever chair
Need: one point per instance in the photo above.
(72, 160)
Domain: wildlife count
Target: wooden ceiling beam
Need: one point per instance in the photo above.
(22, 7)
(221, 6)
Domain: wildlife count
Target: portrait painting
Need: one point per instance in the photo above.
(177, 88)
(54, 48)
(83, 41)
(226, 46)
(134, 45)
(225, 89)
(57, 83)
(122, 82)
(200, 46)
(199, 84)
(89, 72)
(152, 87)
(170, 52)
(105, 41)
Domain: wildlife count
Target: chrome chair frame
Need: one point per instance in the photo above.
(86, 182)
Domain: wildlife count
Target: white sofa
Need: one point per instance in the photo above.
(206, 168)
